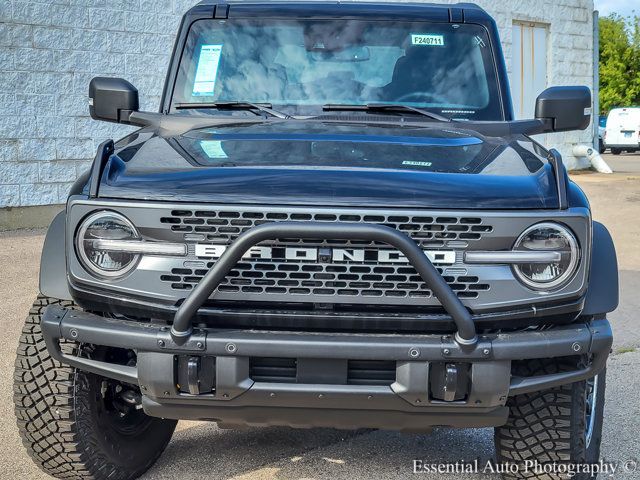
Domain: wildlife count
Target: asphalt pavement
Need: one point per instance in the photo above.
(625, 163)
(201, 450)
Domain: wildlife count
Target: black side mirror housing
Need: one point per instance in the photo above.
(564, 109)
(112, 99)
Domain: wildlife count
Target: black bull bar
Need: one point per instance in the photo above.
(182, 324)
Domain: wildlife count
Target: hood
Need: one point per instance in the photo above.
(328, 164)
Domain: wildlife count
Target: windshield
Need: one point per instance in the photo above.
(300, 65)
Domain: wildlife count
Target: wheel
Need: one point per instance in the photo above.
(561, 425)
(76, 424)
(616, 151)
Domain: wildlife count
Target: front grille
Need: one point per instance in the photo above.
(316, 282)
(221, 227)
(269, 283)
(298, 280)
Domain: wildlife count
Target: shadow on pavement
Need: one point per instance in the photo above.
(204, 451)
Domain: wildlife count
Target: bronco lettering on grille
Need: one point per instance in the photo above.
(338, 255)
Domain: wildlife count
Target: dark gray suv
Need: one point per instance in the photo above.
(335, 221)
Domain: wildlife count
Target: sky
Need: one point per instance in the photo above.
(622, 7)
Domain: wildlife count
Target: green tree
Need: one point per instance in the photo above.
(619, 62)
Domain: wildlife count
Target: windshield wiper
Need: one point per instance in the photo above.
(385, 107)
(249, 106)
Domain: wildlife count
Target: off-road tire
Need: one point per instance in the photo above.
(549, 426)
(59, 420)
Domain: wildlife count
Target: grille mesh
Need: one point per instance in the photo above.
(265, 277)
(351, 279)
(223, 226)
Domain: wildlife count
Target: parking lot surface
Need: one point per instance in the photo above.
(201, 450)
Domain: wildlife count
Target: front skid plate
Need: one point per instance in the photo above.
(345, 419)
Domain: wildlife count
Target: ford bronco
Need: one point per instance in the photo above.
(333, 221)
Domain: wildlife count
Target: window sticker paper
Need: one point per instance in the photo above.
(213, 148)
(427, 40)
(207, 70)
(417, 164)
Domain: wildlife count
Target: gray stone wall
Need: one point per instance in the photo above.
(49, 50)
(569, 55)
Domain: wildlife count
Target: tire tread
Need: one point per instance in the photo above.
(541, 424)
(52, 409)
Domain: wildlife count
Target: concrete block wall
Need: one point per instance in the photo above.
(50, 50)
(569, 55)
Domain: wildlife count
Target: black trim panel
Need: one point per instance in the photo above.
(53, 265)
(603, 292)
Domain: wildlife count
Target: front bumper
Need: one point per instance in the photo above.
(408, 403)
(624, 146)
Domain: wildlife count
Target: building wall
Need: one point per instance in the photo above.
(49, 51)
(570, 51)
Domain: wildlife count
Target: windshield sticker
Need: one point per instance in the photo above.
(427, 40)
(213, 148)
(207, 70)
(417, 164)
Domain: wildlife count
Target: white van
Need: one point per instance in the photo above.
(623, 130)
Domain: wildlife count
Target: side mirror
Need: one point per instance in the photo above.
(112, 99)
(563, 109)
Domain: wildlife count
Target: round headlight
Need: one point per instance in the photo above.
(106, 226)
(548, 237)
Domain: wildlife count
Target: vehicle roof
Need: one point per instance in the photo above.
(335, 7)
(339, 2)
(621, 109)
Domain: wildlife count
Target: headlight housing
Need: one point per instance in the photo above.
(110, 226)
(550, 237)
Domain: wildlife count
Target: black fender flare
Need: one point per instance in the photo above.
(53, 262)
(603, 291)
